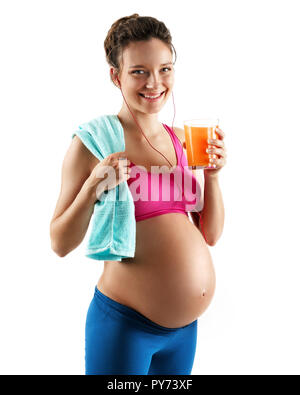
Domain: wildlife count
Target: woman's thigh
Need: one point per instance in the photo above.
(178, 355)
(119, 340)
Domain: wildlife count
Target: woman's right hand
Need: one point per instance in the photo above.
(115, 168)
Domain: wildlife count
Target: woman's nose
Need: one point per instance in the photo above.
(153, 81)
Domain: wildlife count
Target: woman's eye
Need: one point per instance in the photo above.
(165, 68)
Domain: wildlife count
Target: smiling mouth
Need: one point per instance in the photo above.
(152, 99)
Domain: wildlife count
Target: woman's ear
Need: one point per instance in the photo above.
(114, 76)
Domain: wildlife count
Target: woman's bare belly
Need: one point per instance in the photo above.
(171, 279)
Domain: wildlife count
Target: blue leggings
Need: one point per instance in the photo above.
(120, 340)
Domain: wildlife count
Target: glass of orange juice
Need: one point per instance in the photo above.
(197, 131)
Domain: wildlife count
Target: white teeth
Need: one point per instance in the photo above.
(151, 97)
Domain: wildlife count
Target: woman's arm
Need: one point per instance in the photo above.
(210, 221)
(75, 204)
(212, 215)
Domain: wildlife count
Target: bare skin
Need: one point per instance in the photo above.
(171, 279)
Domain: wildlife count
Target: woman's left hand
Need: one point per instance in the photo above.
(216, 147)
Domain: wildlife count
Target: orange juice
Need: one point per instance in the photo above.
(196, 134)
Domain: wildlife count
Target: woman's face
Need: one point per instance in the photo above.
(147, 69)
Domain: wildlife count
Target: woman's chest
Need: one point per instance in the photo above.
(156, 150)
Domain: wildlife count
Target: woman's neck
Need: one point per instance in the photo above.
(149, 124)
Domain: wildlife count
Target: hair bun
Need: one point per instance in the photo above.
(126, 19)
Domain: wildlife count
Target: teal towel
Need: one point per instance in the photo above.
(113, 233)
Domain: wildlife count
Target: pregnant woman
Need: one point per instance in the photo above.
(143, 316)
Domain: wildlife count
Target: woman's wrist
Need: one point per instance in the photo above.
(93, 188)
(209, 176)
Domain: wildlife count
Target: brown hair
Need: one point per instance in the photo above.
(133, 28)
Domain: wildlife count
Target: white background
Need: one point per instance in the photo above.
(238, 60)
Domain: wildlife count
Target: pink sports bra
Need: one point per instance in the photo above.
(164, 191)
